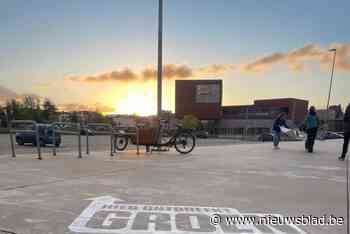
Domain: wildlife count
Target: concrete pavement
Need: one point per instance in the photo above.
(162, 192)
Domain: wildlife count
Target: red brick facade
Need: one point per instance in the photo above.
(186, 103)
(297, 108)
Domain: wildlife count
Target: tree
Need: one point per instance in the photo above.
(49, 112)
(14, 109)
(31, 102)
(190, 122)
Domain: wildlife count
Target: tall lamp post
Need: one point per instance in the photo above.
(331, 83)
(160, 58)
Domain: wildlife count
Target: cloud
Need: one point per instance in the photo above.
(124, 75)
(69, 107)
(170, 71)
(342, 58)
(6, 94)
(296, 58)
(263, 63)
(216, 69)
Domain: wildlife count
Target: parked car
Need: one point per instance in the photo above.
(45, 136)
(267, 136)
(293, 136)
(85, 131)
(330, 136)
(202, 134)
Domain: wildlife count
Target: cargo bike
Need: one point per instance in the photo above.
(155, 139)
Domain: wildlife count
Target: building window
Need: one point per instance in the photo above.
(208, 93)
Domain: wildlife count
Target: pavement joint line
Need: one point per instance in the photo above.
(37, 207)
(68, 179)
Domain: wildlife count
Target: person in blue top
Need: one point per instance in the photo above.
(276, 129)
(311, 124)
(346, 133)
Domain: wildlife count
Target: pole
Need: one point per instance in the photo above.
(79, 140)
(246, 123)
(10, 134)
(331, 84)
(11, 139)
(53, 140)
(137, 140)
(87, 141)
(111, 141)
(38, 143)
(160, 57)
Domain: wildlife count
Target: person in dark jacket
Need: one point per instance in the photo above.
(346, 133)
(311, 124)
(276, 129)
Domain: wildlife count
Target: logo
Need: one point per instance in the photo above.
(108, 215)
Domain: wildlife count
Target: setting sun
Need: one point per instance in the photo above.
(142, 105)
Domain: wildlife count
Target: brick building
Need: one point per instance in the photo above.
(201, 98)
(259, 117)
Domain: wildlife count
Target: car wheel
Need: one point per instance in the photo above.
(20, 141)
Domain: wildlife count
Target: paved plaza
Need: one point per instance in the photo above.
(172, 193)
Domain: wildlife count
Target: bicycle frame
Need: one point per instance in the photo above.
(171, 141)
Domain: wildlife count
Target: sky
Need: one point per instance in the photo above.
(103, 54)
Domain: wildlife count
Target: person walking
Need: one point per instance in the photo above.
(276, 129)
(311, 124)
(346, 133)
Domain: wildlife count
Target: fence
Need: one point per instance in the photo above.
(66, 128)
(99, 129)
(34, 129)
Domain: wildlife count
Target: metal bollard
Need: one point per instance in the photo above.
(79, 141)
(137, 141)
(53, 141)
(38, 140)
(87, 142)
(11, 140)
(111, 139)
(114, 143)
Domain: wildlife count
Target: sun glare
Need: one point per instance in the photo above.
(137, 104)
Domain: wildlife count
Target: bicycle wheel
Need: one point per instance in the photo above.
(121, 142)
(185, 143)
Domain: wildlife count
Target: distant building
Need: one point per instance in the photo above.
(201, 98)
(82, 116)
(339, 114)
(259, 117)
(325, 115)
(64, 117)
(333, 117)
(296, 109)
(123, 121)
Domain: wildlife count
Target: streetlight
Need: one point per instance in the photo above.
(160, 58)
(331, 81)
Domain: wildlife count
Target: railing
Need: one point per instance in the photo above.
(35, 126)
(67, 128)
(100, 129)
